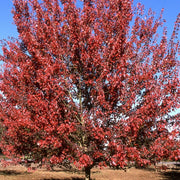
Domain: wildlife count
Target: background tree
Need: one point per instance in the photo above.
(84, 86)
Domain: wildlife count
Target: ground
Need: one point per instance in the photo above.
(21, 173)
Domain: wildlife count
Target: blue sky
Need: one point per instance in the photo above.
(172, 8)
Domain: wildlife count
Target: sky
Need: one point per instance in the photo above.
(172, 8)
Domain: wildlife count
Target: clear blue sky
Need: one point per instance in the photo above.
(172, 8)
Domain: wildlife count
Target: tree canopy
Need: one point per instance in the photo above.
(90, 86)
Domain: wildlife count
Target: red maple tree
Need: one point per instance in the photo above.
(89, 86)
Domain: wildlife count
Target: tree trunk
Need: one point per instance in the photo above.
(87, 173)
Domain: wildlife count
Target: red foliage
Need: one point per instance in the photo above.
(85, 86)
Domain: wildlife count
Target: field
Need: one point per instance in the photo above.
(21, 173)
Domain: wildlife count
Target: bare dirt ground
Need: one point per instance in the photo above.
(21, 173)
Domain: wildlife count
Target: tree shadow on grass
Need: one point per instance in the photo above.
(146, 169)
(66, 170)
(171, 175)
(12, 172)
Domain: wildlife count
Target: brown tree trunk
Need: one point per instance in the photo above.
(87, 173)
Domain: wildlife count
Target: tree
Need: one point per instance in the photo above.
(89, 86)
